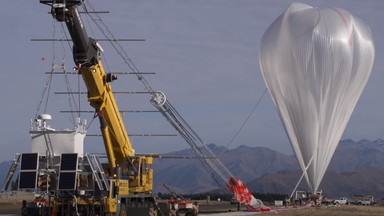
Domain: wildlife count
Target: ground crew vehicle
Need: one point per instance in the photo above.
(364, 200)
(341, 201)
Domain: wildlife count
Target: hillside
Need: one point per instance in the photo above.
(247, 163)
(4, 167)
(356, 168)
(362, 181)
(351, 155)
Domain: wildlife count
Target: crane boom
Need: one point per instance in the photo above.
(86, 55)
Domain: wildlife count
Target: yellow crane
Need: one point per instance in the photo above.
(130, 180)
(86, 54)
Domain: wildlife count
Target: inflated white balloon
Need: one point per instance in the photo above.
(316, 63)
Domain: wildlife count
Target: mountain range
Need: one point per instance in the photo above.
(356, 168)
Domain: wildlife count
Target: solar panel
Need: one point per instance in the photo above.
(68, 162)
(29, 161)
(67, 181)
(28, 170)
(68, 171)
(27, 179)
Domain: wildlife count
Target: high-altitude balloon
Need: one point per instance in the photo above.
(315, 63)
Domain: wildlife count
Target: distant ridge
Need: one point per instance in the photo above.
(356, 168)
(4, 168)
(364, 181)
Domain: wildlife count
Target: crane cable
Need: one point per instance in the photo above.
(166, 109)
(245, 122)
(115, 44)
(48, 82)
(71, 98)
(47, 89)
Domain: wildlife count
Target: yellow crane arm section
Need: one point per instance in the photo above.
(100, 96)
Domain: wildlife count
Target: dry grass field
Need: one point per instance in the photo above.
(345, 210)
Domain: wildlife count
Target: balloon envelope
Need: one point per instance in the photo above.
(315, 63)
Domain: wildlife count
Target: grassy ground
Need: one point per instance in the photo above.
(215, 208)
(13, 209)
(345, 210)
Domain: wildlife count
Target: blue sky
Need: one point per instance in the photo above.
(204, 53)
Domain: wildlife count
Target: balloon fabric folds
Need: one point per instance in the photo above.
(316, 63)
